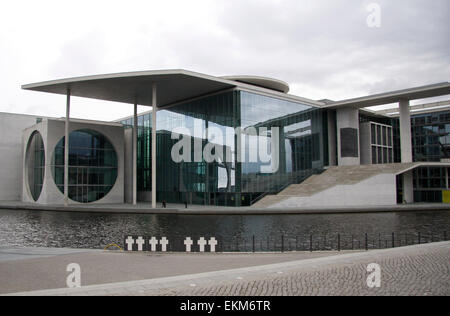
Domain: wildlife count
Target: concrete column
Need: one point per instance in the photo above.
(408, 192)
(347, 123)
(405, 131)
(406, 149)
(66, 150)
(207, 191)
(281, 152)
(154, 111)
(446, 178)
(331, 139)
(135, 132)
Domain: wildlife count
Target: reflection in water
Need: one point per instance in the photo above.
(90, 230)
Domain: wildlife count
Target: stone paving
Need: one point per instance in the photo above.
(414, 271)
(419, 270)
(33, 269)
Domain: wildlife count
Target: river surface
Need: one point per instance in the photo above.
(94, 230)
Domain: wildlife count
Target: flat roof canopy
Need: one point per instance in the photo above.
(423, 92)
(172, 86)
(179, 85)
(269, 83)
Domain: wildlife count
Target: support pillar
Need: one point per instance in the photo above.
(408, 190)
(406, 149)
(66, 150)
(446, 178)
(405, 131)
(331, 120)
(135, 132)
(154, 111)
(347, 123)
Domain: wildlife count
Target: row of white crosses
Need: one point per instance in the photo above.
(212, 242)
(140, 242)
(153, 242)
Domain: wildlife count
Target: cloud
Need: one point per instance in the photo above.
(324, 49)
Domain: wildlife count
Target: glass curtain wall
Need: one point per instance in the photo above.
(296, 137)
(239, 127)
(195, 180)
(431, 142)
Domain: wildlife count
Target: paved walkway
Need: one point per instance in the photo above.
(412, 270)
(31, 269)
(146, 208)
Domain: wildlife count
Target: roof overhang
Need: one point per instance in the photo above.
(173, 86)
(265, 82)
(136, 87)
(418, 108)
(422, 92)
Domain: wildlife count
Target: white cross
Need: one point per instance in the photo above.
(202, 242)
(188, 242)
(164, 242)
(140, 242)
(153, 242)
(213, 243)
(129, 242)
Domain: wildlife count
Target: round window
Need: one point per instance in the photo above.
(92, 166)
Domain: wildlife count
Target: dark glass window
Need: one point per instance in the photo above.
(35, 164)
(389, 135)
(378, 135)
(92, 166)
(373, 133)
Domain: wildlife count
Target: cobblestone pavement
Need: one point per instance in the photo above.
(418, 270)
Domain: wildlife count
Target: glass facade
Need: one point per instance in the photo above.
(144, 149)
(92, 166)
(35, 164)
(431, 142)
(381, 144)
(385, 137)
(302, 143)
(431, 136)
(262, 144)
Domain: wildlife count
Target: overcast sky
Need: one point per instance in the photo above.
(322, 48)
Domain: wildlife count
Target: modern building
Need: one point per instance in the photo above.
(228, 141)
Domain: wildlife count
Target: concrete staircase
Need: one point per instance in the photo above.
(342, 175)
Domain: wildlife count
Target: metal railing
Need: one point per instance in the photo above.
(328, 242)
(308, 242)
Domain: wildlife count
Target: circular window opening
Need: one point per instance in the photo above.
(92, 166)
(35, 164)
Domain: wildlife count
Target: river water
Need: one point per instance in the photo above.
(94, 230)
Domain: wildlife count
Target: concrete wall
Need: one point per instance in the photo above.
(365, 144)
(144, 196)
(332, 138)
(128, 165)
(347, 118)
(11, 127)
(375, 191)
(52, 131)
(405, 131)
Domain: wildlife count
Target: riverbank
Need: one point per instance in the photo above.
(418, 270)
(145, 208)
